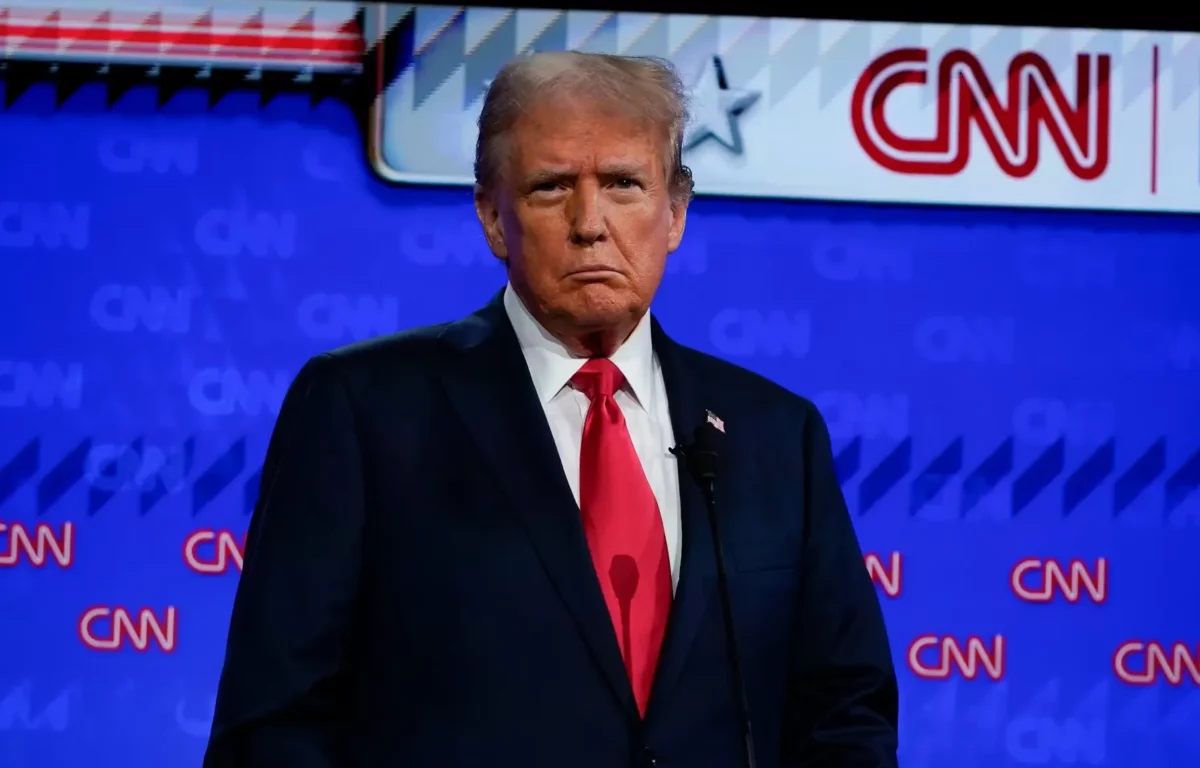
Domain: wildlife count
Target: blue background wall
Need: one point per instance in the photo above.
(1000, 385)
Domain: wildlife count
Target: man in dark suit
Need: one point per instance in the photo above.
(472, 545)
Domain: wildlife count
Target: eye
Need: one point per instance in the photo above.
(627, 183)
(545, 186)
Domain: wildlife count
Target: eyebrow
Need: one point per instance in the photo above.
(622, 169)
(546, 175)
(610, 171)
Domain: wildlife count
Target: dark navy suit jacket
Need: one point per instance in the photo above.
(417, 590)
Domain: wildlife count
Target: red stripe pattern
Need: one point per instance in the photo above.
(229, 37)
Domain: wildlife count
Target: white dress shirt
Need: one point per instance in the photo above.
(643, 402)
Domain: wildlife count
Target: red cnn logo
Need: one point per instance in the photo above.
(967, 97)
(121, 629)
(944, 654)
(886, 576)
(36, 546)
(212, 552)
(1027, 585)
(1159, 663)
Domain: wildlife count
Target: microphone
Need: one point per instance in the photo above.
(702, 457)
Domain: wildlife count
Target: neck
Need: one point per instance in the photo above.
(594, 343)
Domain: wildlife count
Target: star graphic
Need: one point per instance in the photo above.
(715, 107)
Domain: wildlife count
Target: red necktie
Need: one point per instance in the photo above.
(623, 527)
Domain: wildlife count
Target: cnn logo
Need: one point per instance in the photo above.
(934, 657)
(214, 552)
(110, 629)
(38, 546)
(1040, 581)
(1139, 663)
(970, 104)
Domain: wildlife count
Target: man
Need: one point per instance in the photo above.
(472, 545)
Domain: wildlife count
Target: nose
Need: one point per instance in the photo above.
(586, 211)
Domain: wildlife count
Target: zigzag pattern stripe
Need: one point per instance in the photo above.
(101, 493)
(179, 465)
(1029, 483)
(885, 476)
(930, 482)
(20, 469)
(63, 472)
(223, 471)
(1139, 476)
(63, 476)
(1088, 476)
(442, 42)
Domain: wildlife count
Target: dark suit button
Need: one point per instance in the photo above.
(648, 758)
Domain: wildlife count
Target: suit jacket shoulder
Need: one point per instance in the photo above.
(766, 405)
(742, 379)
(427, 349)
(415, 346)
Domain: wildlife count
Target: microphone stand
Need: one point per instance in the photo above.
(735, 663)
(704, 472)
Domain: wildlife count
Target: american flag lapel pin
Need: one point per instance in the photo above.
(712, 419)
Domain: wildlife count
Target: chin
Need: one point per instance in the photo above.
(599, 304)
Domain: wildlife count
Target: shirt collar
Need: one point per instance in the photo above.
(551, 365)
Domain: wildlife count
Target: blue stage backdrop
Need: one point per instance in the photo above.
(1014, 399)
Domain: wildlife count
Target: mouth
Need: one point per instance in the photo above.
(594, 274)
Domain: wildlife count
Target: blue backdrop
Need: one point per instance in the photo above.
(1013, 396)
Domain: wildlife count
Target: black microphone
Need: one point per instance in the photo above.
(703, 460)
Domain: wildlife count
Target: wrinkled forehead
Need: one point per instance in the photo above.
(580, 128)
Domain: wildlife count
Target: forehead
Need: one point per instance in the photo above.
(574, 134)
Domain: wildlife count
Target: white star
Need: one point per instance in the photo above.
(715, 109)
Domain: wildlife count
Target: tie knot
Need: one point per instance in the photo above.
(598, 378)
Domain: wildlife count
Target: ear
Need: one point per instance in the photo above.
(493, 226)
(678, 223)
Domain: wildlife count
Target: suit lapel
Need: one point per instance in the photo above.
(698, 568)
(491, 388)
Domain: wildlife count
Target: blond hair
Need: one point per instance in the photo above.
(645, 86)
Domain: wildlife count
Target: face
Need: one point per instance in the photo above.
(583, 216)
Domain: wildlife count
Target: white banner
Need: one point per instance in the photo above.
(924, 113)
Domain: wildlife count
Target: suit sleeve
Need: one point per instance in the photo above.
(842, 694)
(280, 699)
